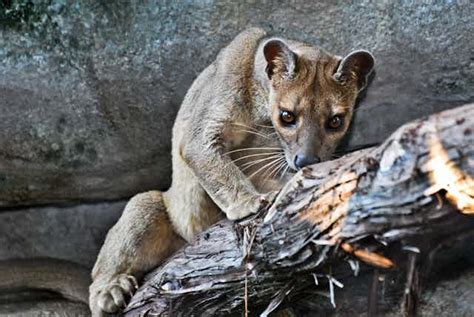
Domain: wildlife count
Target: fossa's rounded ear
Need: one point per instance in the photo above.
(357, 65)
(280, 59)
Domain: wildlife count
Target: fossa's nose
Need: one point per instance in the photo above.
(303, 160)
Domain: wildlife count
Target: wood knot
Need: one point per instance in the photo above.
(372, 164)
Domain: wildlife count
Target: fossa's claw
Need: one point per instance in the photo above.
(113, 297)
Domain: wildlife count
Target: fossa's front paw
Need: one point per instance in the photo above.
(252, 205)
(112, 296)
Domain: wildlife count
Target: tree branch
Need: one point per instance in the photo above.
(374, 206)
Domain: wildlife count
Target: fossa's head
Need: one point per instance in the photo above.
(312, 97)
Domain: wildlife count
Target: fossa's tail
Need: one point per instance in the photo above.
(49, 287)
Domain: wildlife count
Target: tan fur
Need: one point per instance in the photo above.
(231, 107)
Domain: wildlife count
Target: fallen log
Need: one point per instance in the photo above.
(387, 206)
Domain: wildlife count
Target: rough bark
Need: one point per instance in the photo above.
(387, 206)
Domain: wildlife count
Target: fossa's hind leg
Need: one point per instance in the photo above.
(141, 239)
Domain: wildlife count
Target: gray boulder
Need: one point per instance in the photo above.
(72, 233)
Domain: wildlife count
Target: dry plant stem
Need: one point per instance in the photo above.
(411, 292)
(358, 206)
(373, 295)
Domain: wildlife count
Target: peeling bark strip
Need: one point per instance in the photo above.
(364, 206)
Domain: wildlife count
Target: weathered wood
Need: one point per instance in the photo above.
(373, 206)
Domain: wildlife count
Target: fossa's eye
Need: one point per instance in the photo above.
(335, 122)
(287, 117)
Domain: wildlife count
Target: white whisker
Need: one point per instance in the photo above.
(265, 126)
(269, 171)
(282, 168)
(284, 172)
(243, 125)
(254, 148)
(255, 133)
(252, 130)
(274, 172)
(281, 162)
(268, 165)
(253, 155)
(247, 165)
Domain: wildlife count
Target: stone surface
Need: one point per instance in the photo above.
(73, 233)
(89, 89)
(454, 297)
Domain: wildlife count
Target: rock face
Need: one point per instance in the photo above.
(72, 233)
(89, 90)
